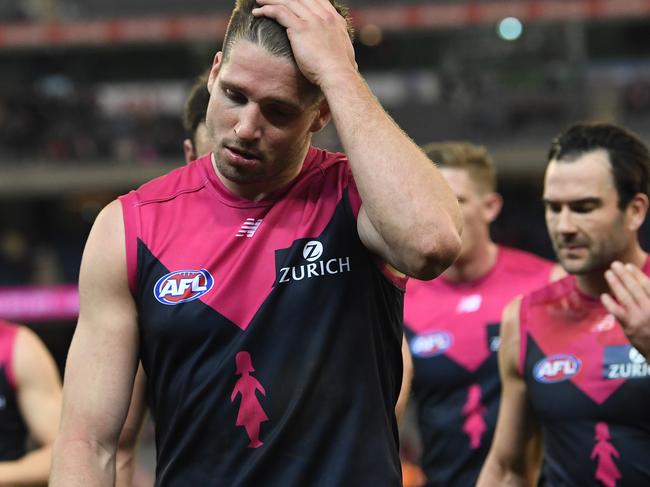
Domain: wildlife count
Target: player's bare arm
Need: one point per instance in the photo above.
(39, 399)
(128, 443)
(409, 215)
(407, 378)
(96, 399)
(629, 302)
(515, 454)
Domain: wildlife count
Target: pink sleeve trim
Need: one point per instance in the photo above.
(7, 345)
(397, 281)
(523, 335)
(129, 210)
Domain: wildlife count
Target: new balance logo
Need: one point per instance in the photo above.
(249, 227)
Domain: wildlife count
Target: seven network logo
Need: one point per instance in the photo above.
(317, 267)
(182, 286)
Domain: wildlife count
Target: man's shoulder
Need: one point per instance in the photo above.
(8, 330)
(523, 260)
(324, 158)
(550, 292)
(322, 161)
(184, 179)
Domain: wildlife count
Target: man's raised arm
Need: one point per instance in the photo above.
(409, 216)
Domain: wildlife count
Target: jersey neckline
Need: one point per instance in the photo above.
(228, 198)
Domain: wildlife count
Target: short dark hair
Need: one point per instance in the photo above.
(196, 105)
(628, 155)
(465, 155)
(264, 31)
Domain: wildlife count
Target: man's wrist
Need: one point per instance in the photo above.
(343, 79)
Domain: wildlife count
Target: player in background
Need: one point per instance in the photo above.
(198, 141)
(575, 391)
(30, 405)
(452, 324)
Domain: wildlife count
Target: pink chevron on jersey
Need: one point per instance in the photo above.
(216, 245)
(459, 312)
(566, 323)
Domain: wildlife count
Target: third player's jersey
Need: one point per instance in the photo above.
(13, 431)
(589, 388)
(270, 336)
(453, 333)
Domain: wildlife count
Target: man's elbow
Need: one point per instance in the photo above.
(432, 255)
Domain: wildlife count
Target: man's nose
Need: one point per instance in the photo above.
(565, 221)
(249, 125)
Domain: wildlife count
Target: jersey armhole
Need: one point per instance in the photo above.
(7, 345)
(523, 335)
(130, 215)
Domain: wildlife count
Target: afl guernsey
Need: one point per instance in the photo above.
(13, 431)
(453, 333)
(589, 388)
(270, 336)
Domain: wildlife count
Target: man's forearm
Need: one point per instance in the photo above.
(32, 469)
(494, 475)
(82, 464)
(404, 196)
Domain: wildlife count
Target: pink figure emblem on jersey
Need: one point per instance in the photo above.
(606, 471)
(251, 414)
(473, 410)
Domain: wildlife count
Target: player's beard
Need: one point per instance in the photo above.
(599, 253)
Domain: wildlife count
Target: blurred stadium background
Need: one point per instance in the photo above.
(91, 93)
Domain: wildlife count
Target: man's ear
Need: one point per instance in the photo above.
(188, 150)
(214, 71)
(323, 116)
(492, 204)
(637, 209)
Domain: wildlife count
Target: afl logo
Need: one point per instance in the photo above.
(431, 344)
(182, 286)
(556, 368)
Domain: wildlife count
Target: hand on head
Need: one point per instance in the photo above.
(318, 34)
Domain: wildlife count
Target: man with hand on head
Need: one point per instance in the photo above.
(262, 284)
(575, 390)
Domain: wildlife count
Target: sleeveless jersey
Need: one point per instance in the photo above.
(13, 431)
(453, 333)
(270, 336)
(589, 388)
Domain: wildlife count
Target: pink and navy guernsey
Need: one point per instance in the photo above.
(589, 388)
(453, 334)
(270, 335)
(13, 430)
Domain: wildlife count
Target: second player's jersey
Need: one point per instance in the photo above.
(13, 431)
(453, 333)
(270, 336)
(589, 388)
